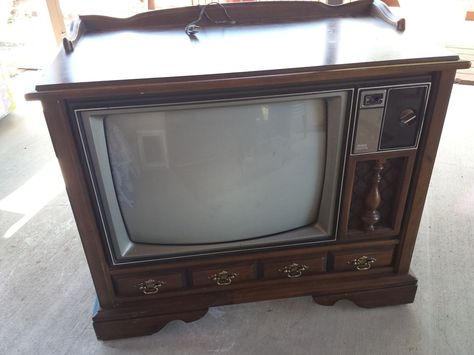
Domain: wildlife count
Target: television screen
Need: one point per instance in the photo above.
(217, 174)
(209, 176)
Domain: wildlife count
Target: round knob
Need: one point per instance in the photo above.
(406, 116)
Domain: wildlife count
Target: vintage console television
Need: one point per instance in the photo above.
(242, 152)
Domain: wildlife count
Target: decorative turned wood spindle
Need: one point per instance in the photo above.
(373, 199)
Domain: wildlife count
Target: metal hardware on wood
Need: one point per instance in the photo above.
(223, 278)
(150, 287)
(294, 270)
(362, 263)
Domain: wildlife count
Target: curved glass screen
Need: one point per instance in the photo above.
(217, 174)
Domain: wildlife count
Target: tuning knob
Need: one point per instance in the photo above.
(407, 116)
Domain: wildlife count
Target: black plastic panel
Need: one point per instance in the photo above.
(395, 134)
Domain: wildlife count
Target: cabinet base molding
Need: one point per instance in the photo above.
(132, 319)
(140, 326)
(372, 298)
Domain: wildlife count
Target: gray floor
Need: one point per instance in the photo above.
(46, 293)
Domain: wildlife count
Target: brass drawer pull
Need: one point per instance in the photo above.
(363, 263)
(294, 270)
(223, 278)
(151, 287)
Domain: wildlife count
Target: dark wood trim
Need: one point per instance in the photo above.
(389, 296)
(402, 192)
(195, 299)
(297, 252)
(378, 233)
(365, 289)
(437, 107)
(371, 215)
(311, 285)
(144, 88)
(139, 326)
(399, 203)
(348, 185)
(161, 303)
(71, 168)
(244, 14)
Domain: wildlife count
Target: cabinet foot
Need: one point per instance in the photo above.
(108, 329)
(372, 298)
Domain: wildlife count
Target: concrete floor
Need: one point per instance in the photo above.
(46, 293)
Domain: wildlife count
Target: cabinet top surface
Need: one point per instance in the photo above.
(167, 53)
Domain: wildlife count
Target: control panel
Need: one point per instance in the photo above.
(389, 118)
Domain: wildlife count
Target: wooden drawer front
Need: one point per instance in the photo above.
(362, 260)
(294, 268)
(225, 275)
(148, 284)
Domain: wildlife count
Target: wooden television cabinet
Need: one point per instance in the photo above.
(357, 45)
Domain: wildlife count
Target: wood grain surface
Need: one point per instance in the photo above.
(143, 52)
